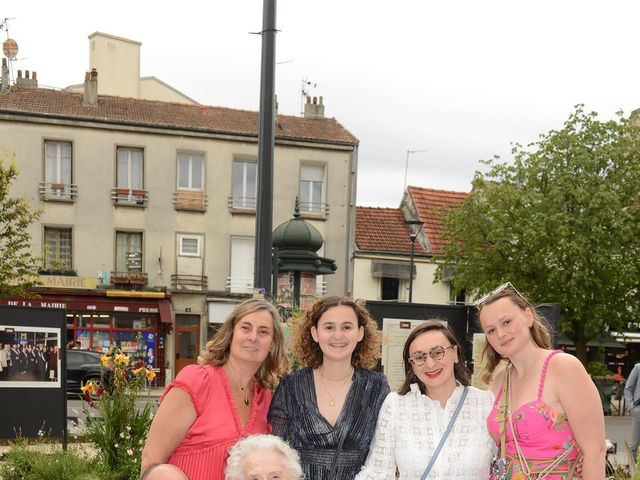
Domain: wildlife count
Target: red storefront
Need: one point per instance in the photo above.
(135, 321)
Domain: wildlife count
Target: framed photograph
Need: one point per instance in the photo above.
(30, 357)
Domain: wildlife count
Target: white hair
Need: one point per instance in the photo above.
(243, 449)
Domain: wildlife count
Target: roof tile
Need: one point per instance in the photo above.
(383, 230)
(432, 205)
(152, 113)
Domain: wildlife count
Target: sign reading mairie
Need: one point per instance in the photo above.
(60, 281)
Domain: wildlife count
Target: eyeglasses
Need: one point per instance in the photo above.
(496, 291)
(418, 358)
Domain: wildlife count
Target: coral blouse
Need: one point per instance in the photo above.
(202, 453)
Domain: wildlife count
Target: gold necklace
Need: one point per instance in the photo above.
(332, 400)
(241, 388)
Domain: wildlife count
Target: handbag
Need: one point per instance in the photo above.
(445, 434)
(343, 434)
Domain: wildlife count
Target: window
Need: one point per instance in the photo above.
(312, 188)
(129, 168)
(57, 254)
(244, 184)
(390, 288)
(128, 252)
(242, 257)
(57, 162)
(189, 245)
(459, 299)
(190, 171)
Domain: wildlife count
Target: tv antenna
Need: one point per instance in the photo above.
(9, 46)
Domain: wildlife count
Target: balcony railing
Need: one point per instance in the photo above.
(193, 200)
(314, 209)
(239, 284)
(188, 282)
(241, 204)
(58, 192)
(134, 279)
(129, 197)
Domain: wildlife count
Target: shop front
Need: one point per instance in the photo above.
(136, 322)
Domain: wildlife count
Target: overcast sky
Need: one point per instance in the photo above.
(459, 79)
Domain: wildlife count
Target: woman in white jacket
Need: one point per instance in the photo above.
(412, 421)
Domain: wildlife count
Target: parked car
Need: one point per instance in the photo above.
(83, 366)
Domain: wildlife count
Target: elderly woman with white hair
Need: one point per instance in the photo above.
(263, 457)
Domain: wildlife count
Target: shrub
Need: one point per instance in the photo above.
(48, 462)
(115, 425)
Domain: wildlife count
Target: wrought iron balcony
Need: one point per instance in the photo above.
(239, 284)
(240, 204)
(188, 282)
(193, 200)
(314, 209)
(135, 279)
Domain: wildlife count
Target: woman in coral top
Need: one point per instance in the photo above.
(547, 410)
(209, 406)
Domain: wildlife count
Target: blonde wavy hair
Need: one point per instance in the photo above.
(275, 366)
(308, 352)
(539, 330)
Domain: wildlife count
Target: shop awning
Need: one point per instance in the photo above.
(390, 269)
(603, 340)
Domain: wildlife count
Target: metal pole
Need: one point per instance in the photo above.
(266, 140)
(412, 237)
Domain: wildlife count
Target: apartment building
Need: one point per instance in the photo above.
(148, 209)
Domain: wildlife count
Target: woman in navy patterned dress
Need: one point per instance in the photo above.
(335, 398)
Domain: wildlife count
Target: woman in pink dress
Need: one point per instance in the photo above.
(545, 401)
(209, 406)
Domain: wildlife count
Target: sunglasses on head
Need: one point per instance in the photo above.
(495, 291)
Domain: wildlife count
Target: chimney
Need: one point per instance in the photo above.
(4, 84)
(90, 97)
(28, 81)
(313, 108)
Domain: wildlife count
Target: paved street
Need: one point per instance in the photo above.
(618, 429)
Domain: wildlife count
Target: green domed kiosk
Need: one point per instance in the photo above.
(296, 243)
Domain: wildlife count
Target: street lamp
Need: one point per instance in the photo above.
(406, 165)
(412, 238)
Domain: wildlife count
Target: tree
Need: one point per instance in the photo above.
(18, 266)
(562, 223)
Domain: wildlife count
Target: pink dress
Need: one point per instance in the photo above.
(202, 453)
(542, 433)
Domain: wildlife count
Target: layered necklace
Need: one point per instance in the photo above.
(341, 381)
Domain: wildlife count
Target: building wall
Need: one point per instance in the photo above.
(117, 61)
(95, 219)
(153, 89)
(424, 290)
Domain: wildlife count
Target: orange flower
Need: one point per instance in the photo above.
(151, 374)
(89, 388)
(121, 359)
(518, 476)
(106, 360)
(138, 371)
(554, 415)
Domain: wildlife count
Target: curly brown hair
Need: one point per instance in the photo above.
(539, 329)
(308, 352)
(276, 364)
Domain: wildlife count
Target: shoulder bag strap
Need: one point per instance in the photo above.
(345, 429)
(504, 402)
(446, 433)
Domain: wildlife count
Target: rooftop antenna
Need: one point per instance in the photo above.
(307, 85)
(9, 46)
